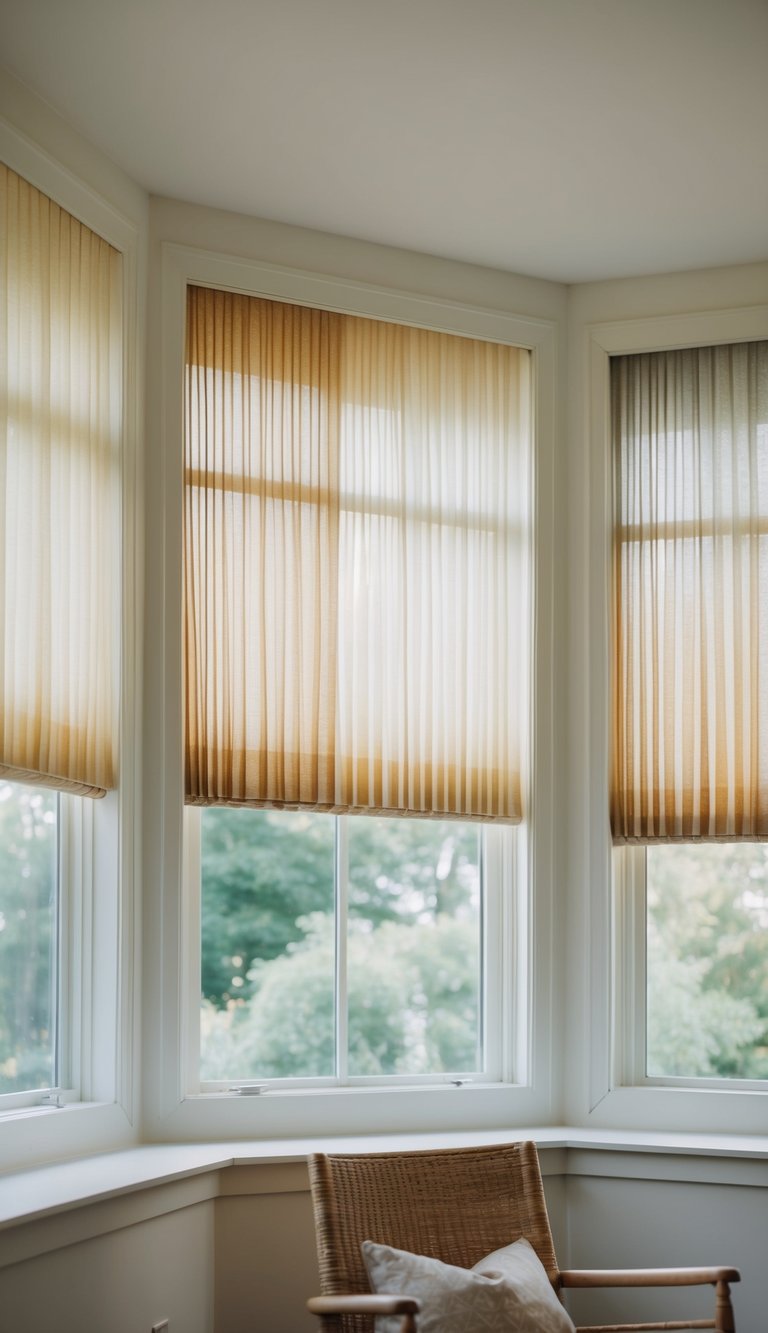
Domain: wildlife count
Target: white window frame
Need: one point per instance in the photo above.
(617, 1097)
(172, 1110)
(502, 974)
(99, 839)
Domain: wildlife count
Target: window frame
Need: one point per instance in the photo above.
(171, 1110)
(99, 839)
(615, 1096)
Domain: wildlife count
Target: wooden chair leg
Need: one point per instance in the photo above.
(409, 1324)
(723, 1309)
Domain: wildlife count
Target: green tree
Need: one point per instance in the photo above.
(263, 872)
(413, 1006)
(406, 869)
(693, 1031)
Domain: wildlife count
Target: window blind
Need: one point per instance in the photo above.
(356, 556)
(690, 662)
(61, 354)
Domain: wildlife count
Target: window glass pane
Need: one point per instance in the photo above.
(708, 960)
(414, 946)
(28, 920)
(267, 944)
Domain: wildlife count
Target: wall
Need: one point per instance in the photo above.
(647, 1211)
(43, 127)
(141, 1264)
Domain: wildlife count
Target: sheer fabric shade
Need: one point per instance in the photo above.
(62, 358)
(690, 672)
(355, 564)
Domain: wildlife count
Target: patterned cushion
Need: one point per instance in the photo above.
(506, 1292)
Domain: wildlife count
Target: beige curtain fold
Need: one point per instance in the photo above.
(61, 353)
(690, 663)
(356, 563)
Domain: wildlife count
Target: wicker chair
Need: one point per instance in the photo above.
(456, 1205)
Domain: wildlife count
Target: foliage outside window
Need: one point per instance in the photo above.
(707, 961)
(412, 990)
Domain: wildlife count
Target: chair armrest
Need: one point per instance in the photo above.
(381, 1305)
(647, 1277)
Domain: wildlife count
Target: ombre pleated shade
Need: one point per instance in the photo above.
(61, 356)
(690, 661)
(357, 602)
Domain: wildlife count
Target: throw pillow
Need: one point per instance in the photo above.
(506, 1292)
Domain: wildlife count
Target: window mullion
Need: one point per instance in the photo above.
(341, 875)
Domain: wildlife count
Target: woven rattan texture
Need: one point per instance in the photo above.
(456, 1205)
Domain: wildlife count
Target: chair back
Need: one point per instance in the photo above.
(455, 1204)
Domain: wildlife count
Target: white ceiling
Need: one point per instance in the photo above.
(569, 139)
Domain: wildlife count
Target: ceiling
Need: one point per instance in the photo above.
(568, 139)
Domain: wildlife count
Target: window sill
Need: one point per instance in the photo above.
(45, 1192)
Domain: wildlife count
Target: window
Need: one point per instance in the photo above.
(60, 458)
(344, 949)
(689, 795)
(357, 614)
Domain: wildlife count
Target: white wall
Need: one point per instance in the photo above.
(120, 1282)
(43, 127)
(615, 1223)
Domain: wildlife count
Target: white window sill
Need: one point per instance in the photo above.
(45, 1191)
